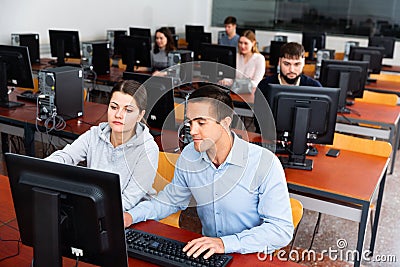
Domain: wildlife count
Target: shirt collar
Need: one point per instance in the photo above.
(238, 154)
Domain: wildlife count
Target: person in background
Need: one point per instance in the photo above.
(291, 64)
(121, 145)
(230, 37)
(164, 43)
(240, 188)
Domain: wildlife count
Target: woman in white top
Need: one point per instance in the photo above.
(249, 62)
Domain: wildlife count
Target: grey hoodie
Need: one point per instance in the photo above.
(135, 161)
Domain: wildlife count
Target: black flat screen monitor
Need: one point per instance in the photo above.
(195, 43)
(302, 114)
(224, 55)
(160, 111)
(15, 70)
(241, 30)
(191, 30)
(274, 53)
(64, 44)
(146, 32)
(135, 51)
(383, 41)
(65, 210)
(113, 36)
(31, 40)
(373, 55)
(349, 76)
(312, 42)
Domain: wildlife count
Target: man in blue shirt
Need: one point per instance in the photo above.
(229, 37)
(240, 188)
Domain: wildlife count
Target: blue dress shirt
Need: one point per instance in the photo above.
(245, 201)
(224, 40)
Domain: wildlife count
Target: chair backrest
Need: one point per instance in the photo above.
(362, 145)
(165, 170)
(378, 98)
(297, 211)
(165, 173)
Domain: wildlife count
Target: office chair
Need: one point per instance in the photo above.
(297, 214)
(165, 173)
(378, 98)
(361, 145)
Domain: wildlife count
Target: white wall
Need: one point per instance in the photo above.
(93, 17)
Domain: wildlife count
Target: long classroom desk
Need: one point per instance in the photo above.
(373, 120)
(344, 187)
(24, 258)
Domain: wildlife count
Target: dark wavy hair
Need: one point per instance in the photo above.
(170, 41)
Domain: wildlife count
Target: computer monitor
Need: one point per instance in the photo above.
(113, 37)
(191, 30)
(15, 70)
(64, 44)
(160, 112)
(241, 30)
(133, 31)
(373, 55)
(274, 53)
(349, 76)
(65, 210)
(224, 55)
(302, 114)
(195, 43)
(312, 42)
(31, 40)
(135, 51)
(383, 41)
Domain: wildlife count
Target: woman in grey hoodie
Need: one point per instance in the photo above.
(122, 145)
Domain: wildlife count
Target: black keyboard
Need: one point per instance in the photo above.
(28, 96)
(166, 252)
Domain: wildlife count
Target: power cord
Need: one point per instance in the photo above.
(10, 240)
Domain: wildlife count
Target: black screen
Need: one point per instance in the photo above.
(373, 55)
(350, 76)
(302, 115)
(160, 112)
(313, 41)
(64, 44)
(145, 32)
(383, 41)
(222, 54)
(15, 70)
(61, 208)
(135, 51)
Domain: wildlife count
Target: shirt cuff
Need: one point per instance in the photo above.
(231, 244)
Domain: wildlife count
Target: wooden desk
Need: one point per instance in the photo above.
(25, 256)
(385, 118)
(342, 187)
(391, 68)
(381, 86)
(21, 121)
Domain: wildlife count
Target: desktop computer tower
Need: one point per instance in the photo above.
(31, 40)
(183, 72)
(96, 54)
(61, 92)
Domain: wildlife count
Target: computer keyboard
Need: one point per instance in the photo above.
(28, 96)
(166, 252)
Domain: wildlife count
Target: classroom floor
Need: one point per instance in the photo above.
(335, 231)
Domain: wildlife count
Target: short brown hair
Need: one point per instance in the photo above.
(220, 100)
(230, 20)
(292, 50)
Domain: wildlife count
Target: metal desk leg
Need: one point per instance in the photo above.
(361, 233)
(29, 140)
(377, 213)
(4, 143)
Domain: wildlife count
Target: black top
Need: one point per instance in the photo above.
(304, 81)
